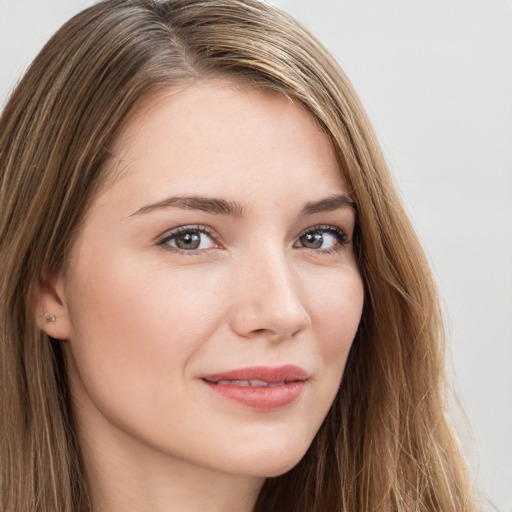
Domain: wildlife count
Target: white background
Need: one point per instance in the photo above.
(436, 78)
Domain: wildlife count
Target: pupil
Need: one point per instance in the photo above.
(188, 241)
(313, 240)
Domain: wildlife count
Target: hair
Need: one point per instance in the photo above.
(386, 444)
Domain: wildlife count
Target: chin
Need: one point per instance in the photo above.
(270, 460)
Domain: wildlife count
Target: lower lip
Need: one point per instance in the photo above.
(262, 398)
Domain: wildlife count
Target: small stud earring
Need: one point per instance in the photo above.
(48, 317)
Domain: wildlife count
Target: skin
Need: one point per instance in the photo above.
(145, 319)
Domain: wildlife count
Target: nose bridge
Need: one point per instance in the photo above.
(269, 299)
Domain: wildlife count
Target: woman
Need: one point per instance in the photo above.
(211, 295)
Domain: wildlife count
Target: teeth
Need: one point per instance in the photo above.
(258, 383)
(254, 383)
(275, 384)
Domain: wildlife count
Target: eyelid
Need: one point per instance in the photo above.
(341, 234)
(171, 233)
(325, 227)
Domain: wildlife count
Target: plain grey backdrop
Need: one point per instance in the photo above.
(436, 79)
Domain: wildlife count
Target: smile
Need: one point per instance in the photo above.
(260, 388)
(252, 383)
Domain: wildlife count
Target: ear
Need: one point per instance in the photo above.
(50, 308)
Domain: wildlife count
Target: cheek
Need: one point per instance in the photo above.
(135, 332)
(336, 308)
(128, 320)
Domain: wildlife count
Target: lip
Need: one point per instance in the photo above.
(285, 385)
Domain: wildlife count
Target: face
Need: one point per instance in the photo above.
(212, 295)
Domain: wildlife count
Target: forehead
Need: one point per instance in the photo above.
(203, 103)
(222, 134)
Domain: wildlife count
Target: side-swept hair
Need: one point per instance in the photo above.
(385, 444)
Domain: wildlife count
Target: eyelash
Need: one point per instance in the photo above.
(341, 237)
(182, 230)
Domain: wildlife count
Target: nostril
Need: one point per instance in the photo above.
(275, 311)
(274, 334)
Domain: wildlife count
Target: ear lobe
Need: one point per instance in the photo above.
(50, 309)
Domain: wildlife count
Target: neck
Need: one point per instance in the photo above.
(126, 476)
(174, 492)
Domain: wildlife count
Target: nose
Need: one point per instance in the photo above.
(268, 299)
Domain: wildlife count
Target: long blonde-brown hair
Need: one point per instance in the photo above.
(385, 444)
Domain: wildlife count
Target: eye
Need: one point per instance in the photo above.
(322, 238)
(188, 238)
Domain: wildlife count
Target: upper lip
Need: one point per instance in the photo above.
(276, 374)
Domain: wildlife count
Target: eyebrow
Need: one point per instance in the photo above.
(205, 204)
(328, 204)
(225, 207)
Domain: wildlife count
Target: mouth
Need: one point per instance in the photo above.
(259, 376)
(251, 383)
(261, 388)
